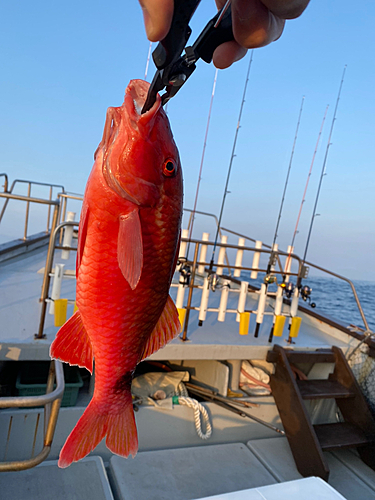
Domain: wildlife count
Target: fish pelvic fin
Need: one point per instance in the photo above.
(119, 427)
(166, 329)
(130, 247)
(72, 344)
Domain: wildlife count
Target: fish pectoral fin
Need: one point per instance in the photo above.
(166, 329)
(130, 247)
(72, 344)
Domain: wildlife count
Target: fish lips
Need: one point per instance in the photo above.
(130, 127)
(135, 97)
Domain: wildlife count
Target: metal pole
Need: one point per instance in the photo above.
(191, 286)
(27, 212)
(46, 277)
(49, 208)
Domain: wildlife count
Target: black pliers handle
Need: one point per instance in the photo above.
(173, 68)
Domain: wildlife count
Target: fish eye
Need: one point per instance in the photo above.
(169, 168)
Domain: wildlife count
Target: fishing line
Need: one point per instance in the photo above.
(148, 60)
(306, 186)
(323, 173)
(191, 224)
(230, 163)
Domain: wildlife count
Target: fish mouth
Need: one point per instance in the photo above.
(135, 98)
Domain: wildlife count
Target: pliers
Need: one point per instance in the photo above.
(173, 68)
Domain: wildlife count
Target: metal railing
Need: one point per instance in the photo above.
(47, 272)
(195, 263)
(51, 402)
(9, 195)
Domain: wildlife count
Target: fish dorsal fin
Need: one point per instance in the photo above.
(130, 247)
(166, 329)
(82, 233)
(72, 344)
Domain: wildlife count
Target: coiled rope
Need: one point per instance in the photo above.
(198, 411)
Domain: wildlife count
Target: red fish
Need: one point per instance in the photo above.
(127, 251)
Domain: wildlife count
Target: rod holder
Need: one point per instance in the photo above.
(68, 235)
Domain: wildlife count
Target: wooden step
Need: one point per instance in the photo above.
(323, 389)
(319, 356)
(340, 435)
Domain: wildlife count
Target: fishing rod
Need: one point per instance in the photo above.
(230, 165)
(291, 247)
(285, 186)
(184, 267)
(191, 224)
(269, 278)
(323, 172)
(306, 291)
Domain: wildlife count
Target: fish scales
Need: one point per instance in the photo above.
(127, 250)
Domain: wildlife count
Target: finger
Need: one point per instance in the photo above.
(286, 9)
(157, 15)
(254, 25)
(227, 53)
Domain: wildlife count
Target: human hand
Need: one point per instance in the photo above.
(255, 23)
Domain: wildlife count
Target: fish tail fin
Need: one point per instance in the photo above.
(119, 427)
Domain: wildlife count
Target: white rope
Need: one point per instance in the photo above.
(198, 410)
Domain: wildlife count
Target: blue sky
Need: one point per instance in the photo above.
(63, 64)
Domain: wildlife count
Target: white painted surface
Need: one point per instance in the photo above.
(311, 488)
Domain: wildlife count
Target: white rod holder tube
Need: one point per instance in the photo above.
(254, 274)
(294, 304)
(288, 262)
(261, 304)
(223, 301)
(182, 252)
(278, 302)
(180, 296)
(221, 258)
(275, 248)
(56, 286)
(203, 254)
(239, 257)
(204, 301)
(242, 299)
(68, 235)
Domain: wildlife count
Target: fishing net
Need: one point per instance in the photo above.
(363, 367)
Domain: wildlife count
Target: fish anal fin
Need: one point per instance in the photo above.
(166, 329)
(72, 344)
(130, 247)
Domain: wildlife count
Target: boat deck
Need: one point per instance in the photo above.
(254, 470)
(20, 286)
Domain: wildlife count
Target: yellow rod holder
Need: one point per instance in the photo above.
(181, 316)
(295, 326)
(61, 306)
(279, 326)
(244, 323)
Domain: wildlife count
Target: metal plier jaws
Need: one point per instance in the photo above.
(173, 69)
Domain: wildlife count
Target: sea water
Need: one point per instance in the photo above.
(334, 298)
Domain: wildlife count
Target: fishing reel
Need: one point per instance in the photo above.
(305, 294)
(288, 289)
(269, 279)
(213, 281)
(185, 272)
